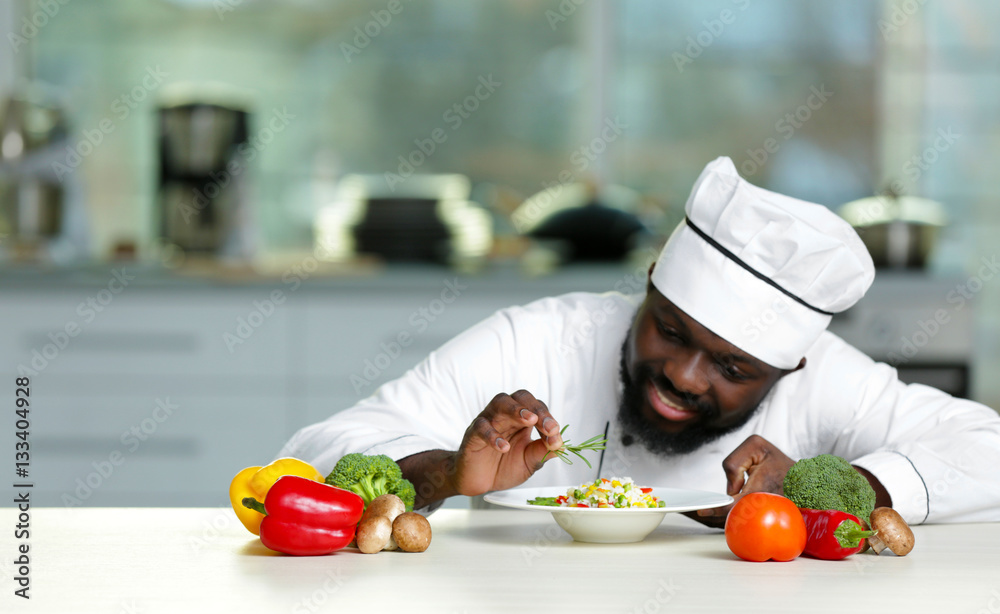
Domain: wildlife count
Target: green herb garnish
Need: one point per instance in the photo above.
(551, 501)
(596, 442)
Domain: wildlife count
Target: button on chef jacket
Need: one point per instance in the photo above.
(937, 456)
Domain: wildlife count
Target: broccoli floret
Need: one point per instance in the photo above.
(828, 482)
(371, 476)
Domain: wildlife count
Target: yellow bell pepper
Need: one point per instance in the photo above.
(256, 481)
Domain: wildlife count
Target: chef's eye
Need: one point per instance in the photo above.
(731, 371)
(667, 332)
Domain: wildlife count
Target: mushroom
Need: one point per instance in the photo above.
(412, 532)
(374, 533)
(891, 532)
(389, 506)
(865, 546)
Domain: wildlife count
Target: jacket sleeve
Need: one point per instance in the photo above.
(935, 454)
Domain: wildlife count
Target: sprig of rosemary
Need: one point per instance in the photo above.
(595, 443)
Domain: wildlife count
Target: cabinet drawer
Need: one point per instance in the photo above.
(150, 449)
(145, 332)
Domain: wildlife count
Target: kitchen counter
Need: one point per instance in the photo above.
(152, 560)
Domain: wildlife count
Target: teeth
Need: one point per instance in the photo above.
(665, 401)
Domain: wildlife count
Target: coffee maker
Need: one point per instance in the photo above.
(203, 160)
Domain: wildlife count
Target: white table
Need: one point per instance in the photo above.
(180, 560)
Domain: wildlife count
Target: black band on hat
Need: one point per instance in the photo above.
(751, 270)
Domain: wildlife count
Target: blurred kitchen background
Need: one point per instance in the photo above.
(222, 220)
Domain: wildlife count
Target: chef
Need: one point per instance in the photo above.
(718, 378)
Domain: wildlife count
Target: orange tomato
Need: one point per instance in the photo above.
(764, 526)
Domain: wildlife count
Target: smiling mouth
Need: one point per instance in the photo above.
(666, 408)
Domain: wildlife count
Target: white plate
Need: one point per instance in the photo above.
(609, 525)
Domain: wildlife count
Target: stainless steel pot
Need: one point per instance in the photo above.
(899, 231)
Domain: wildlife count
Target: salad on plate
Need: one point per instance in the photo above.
(604, 493)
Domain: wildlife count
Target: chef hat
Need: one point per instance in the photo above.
(763, 271)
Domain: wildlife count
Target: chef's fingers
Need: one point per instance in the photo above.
(708, 519)
(769, 474)
(736, 474)
(521, 409)
(546, 425)
(535, 454)
(742, 460)
(718, 512)
(482, 428)
(509, 415)
(762, 462)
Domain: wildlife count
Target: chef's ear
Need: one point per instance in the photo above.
(802, 364)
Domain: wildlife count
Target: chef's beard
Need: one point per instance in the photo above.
(636, 427)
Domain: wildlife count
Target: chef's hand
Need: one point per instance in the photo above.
(498, 451)
(756, 465)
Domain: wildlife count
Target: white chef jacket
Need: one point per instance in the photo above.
(937, 456)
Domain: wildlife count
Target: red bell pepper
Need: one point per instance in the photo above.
(307, 518)
(832, 534)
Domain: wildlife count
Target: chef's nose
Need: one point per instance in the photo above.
(688, 372)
